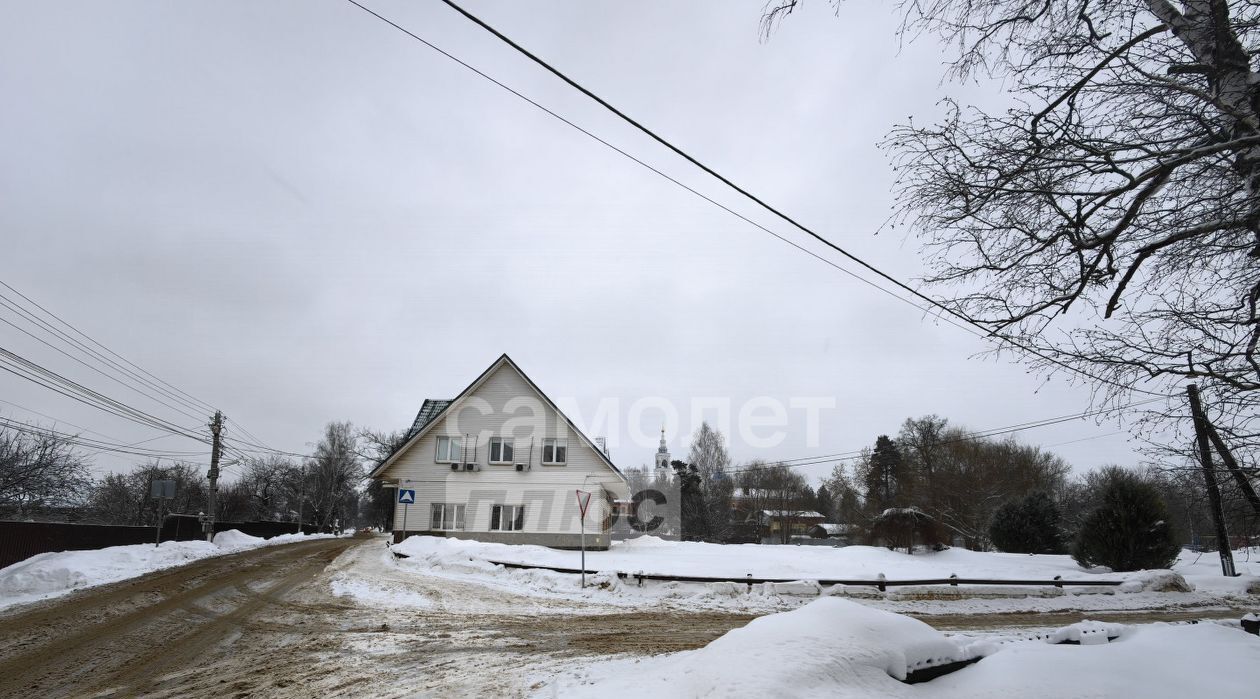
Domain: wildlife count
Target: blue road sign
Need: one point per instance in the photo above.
(406, 497)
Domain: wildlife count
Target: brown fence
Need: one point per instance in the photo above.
(21, 540)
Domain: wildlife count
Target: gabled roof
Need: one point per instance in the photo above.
(431, 410)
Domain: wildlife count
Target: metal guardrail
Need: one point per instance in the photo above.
(880, 582)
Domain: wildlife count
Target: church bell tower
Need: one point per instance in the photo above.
(662, 452)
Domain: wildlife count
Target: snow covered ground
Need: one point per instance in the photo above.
(49, 575)
(1197, 582)
(838, 648)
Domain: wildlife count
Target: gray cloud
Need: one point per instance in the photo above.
(294, 212)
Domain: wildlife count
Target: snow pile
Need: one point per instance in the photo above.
(1157, 660)
(234, 539)
(836, 648)
(1156, 581)
(54, 574)
(1086, 633)
(474, 561)
(652, 555)
(1203, 572)
(831, 647)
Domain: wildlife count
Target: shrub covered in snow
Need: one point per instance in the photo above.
(1129, 530)
(904, 527)
(1029, 525)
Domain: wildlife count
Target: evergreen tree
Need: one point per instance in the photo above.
(825, 505)
(692, 506)
(1129, 530)
(885, 476)
(1028, 525)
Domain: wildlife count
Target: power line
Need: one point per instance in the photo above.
(135, 373)
(1086, 439)
(195, 402)
(95, 369)
(67, 422)
(96, 444)
(31, 371)
(971, 436)
(661, 173)
(987, 332)
(996, 431)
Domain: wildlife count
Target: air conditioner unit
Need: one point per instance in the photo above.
(522, 467)
(470, 467)
(454, 467)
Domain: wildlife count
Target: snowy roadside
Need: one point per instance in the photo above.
(49, 575)
(811, 641)
(838, 648)
(1190, 586)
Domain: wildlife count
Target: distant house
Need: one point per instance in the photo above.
(500, 462)
(795, 522)
(829, 530)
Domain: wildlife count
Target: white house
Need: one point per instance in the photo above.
(500, 462)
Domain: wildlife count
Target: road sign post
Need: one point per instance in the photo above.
(406, 496)
(161, 490)
(584, 500)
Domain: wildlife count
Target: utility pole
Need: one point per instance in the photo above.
(1209, 475)
(1240, 478)
(301, 496)
(216, 429)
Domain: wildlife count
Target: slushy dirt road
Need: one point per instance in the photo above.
(265, 623)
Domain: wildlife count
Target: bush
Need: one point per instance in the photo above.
(1030, 525)
(1129, 530)
(903, 527)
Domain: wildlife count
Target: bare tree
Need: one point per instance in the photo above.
(976, 476)
(123, 498)
(1108, 219)
(39, 471)
(709, 457)
(335, 474)
(774, 492)
(847, 502)
(264, 481)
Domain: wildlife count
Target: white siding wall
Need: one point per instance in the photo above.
(504, 405)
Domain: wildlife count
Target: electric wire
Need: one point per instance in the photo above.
(983, 330)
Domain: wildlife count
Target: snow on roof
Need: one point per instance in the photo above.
(792, 513)
(833, 528)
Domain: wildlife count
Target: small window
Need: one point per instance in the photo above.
(448, 450)
(507, 518)
(500, 450)
(447, 516)
(555, 451)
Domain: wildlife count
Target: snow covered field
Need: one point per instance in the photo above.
(49, 575)
(838, 648)
(1196, 583)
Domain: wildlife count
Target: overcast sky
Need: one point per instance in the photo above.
(297, 213)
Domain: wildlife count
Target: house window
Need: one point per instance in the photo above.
(448, 450)
(500, 450)
(507, 518)
(555, 451)
(447, 516)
